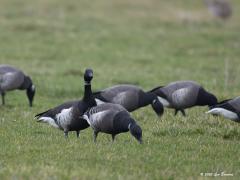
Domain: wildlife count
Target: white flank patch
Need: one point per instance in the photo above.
(65, 116)
(164, 102)
(33, 88)
(225, 113)
(96, 118)
(98, 101)
(48, 120)
(86, 118)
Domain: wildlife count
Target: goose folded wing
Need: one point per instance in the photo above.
(128, 99)
(54, 111)
(184, 97)
(11, 80)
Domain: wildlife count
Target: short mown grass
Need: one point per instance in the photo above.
(145, 42)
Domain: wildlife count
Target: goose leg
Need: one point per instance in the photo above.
(66, 134)
(176, 111)
(183, 112)
(78, 132)
(238, 114)
(113, 137)
(3, 98)
(95, 134)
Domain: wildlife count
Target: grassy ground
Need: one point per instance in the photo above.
(143, 42)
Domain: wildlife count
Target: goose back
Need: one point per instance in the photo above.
(10, 78)
(126, 95)
(235, 103)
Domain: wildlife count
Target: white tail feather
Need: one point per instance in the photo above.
(48, 120)
(224, 112)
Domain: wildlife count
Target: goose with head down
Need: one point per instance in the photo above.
(12, 78)
(181, 95)
(112, 119)
(131, 97)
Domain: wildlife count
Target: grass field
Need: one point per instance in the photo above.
(143, 42)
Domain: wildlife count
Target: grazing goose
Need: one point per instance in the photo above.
(68, 116)
(112, 119)
(12, 78)
(130, 97)
(219, 8)
(181, 95)
(229, 109)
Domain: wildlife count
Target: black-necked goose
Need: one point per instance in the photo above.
(181, 95)
(229, 109)
(12, 78)
(112, 119)
(68, 116)
(219, 8)
(130, 97)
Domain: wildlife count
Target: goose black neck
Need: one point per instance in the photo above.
(27, 83)
(87, 91)
(150, 96)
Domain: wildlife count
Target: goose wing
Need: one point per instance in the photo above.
(4, 68)
(11, 80)
(59, 116)
(125, 95)
(56, 110)
(101, 117)
(177, 85)
(235, 103)
(184, 97)
(128, 99)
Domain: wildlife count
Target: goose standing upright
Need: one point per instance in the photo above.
(130, 97)
(112, 119)
(228, 108)
(68, 116)
(181, 95)
(12, 78)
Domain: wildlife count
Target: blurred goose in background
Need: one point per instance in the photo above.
(219, 8)
(12, 78)
(130, 97)
(181, 95)
(229, 109)
(68, 116)
(112, 119)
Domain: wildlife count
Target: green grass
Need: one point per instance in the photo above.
(145, 42)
